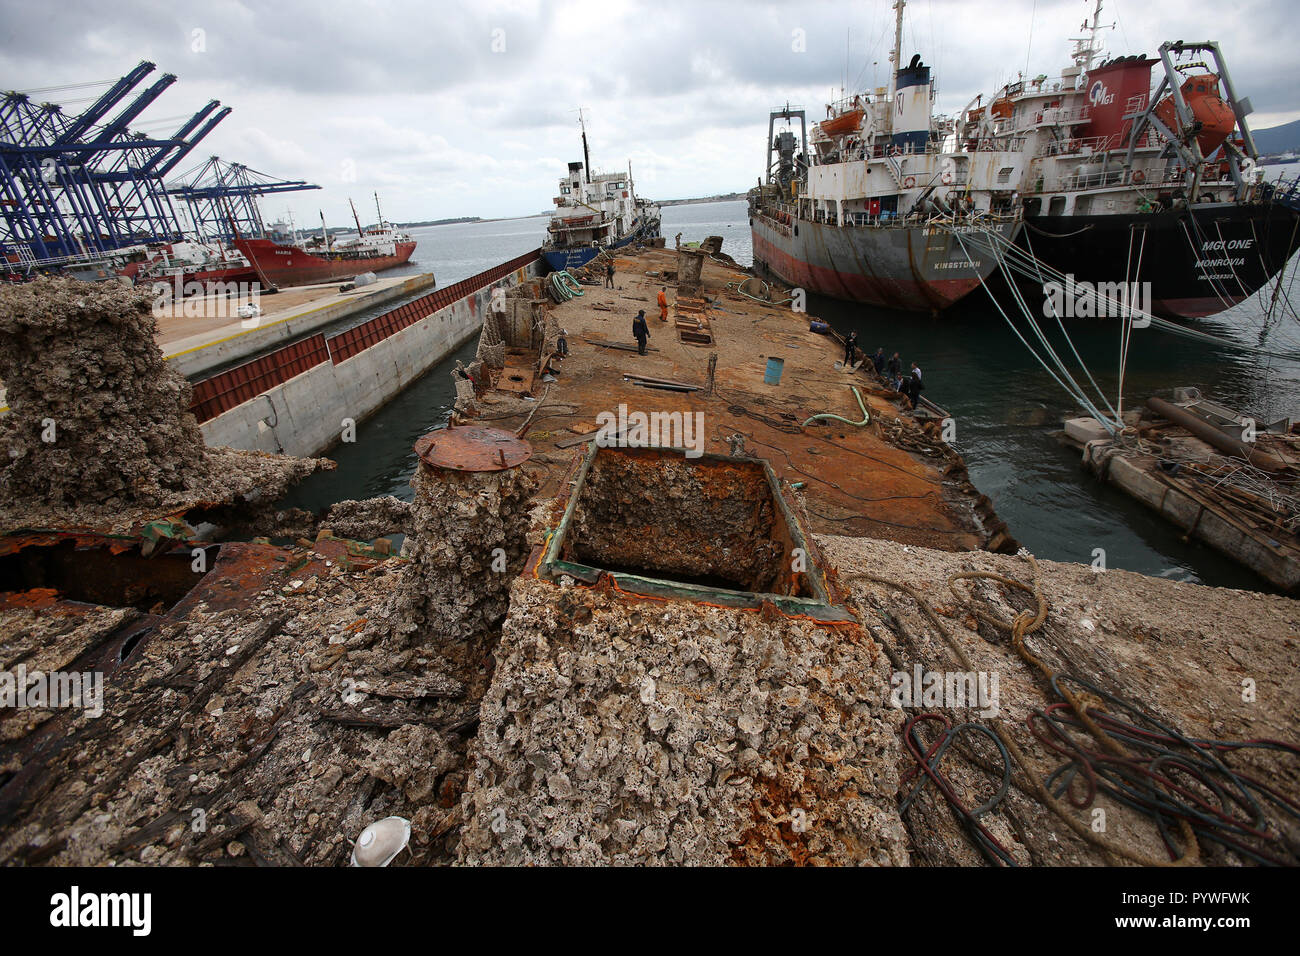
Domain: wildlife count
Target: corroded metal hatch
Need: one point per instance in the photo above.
(472, 448)
(709, 528)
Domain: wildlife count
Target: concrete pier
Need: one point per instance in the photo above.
(198, 345)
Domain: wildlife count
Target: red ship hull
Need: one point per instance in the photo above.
(289, 265)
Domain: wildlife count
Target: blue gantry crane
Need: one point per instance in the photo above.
(75, 189)
(86, 189)
(222, 198)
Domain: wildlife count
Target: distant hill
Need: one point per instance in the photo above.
(724, 197)
(1277, 139)
(436, 222)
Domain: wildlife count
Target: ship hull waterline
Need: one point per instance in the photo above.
(1196, 268)
(576, 257)
(920, 268)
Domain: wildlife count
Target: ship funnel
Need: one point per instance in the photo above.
(1116, 89)
(912, 106)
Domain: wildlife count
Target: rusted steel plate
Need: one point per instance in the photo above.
(473, 448)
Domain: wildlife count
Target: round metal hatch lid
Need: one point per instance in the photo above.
(473, 448)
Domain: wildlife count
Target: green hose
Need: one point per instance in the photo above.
(866, 416)
(767, 291)
(566, 286)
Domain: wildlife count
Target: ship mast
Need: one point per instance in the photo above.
(379, 212)
(1085, 48)
(586, 160)
(896, 57)
(361, 233)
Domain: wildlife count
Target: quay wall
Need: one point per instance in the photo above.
(202, 359)
(295, 400)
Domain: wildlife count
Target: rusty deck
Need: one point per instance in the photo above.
(891, 480)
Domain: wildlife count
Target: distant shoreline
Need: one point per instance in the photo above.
(730, 197)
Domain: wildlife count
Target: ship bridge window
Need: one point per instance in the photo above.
(565, 190)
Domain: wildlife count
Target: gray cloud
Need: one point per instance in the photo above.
(412, 99)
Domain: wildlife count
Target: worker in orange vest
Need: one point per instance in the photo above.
(663, 304)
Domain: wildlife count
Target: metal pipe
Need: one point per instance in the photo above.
(1211, 435)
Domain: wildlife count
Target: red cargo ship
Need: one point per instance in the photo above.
(285, 265)
(323, 259)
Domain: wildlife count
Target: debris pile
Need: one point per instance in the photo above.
(1133, 649)
(95, 413)
(633, 733)
(369, 519)
(267, 724)
(99, 432)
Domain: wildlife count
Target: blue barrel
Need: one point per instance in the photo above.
(775, 366)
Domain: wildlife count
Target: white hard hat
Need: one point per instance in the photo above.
(380, 842)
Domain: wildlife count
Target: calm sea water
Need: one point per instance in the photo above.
(1006, 407)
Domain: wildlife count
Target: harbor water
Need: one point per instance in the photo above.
(1007, 409)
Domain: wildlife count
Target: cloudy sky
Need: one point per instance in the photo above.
(470, 109)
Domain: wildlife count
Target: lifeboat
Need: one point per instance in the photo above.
(846, 122)
(1201, 93)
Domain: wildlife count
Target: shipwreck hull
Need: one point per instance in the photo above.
(912, 269)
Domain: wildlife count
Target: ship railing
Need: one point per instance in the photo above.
(856, 101)
(894, 220)
(999, 144)
(1053, 116)
(1078, 182)
(1080, 144)
(27, 262)
(1135, 104)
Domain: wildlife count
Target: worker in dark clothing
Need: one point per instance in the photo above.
(850, 349)
(894, 368)
(914, 386)
(640, 331)
(562, 344)
(609, 275)
(878, 360)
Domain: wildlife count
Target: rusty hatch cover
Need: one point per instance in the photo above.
(473, 448)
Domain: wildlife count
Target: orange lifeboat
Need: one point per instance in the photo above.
(846, 122)
(1201, 94)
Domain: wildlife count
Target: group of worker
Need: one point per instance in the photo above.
(640, 330)
(889, 369)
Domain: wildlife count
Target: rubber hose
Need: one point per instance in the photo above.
(866, 416)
